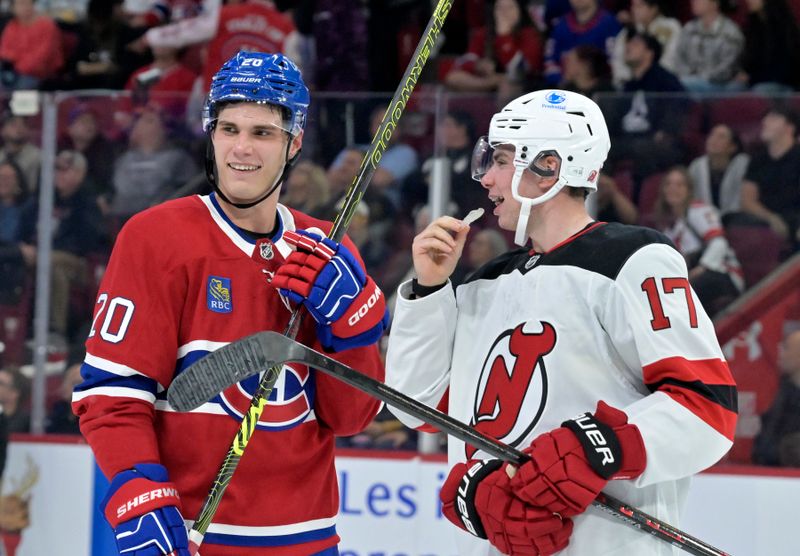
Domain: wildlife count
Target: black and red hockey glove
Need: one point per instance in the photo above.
(570, 465)
(477, 497)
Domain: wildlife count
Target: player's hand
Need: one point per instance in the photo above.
(143, 508)
(570, 465)
(437, 249)
(477, 497)
(323, 275)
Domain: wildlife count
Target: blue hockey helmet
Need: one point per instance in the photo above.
(261, 78)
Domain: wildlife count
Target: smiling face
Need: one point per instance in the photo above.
(676, 189)
(250, 150)
(497, 182)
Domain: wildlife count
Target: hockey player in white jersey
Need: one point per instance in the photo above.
(587, 349)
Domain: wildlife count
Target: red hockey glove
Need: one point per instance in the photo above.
(570, 465)
(348, 306)
(143, 508)
(477, 497)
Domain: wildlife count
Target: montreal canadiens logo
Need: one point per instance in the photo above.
(512, 388)
(289, 403)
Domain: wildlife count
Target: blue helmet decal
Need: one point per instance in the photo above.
(555, 97)
(261, 78)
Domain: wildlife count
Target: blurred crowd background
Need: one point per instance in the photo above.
(701, 97)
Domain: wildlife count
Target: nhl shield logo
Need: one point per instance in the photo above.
(218, 294)
(265, 248)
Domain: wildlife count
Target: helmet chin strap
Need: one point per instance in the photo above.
(527, 204)
(211, 175)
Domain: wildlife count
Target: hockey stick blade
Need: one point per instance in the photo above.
(221, 368)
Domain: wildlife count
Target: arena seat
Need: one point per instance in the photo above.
(758, 249)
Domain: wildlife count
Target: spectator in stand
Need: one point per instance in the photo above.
(336, 50)
(13, 196)
(776, 442)
(255, 25)
(709, 49)
(102, 60)
(61, 419)
(340, 174)
(78, 232)
(18, 148)
(166, 82)
(373, 249)
(611, 204)
(83, 135)
(307, 189)
(647, 16)
(30, 48)
(13, 207)
(399, 160)
(718, 174)
(504, 56)
(771, 57)
(586, 71)
(15, 390)
(484, 246)
(457, 135)
(586, 23)
(771, 188)
(151, 168)
(696, 230)
(645, 124)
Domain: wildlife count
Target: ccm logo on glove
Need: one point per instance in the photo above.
(145, 497)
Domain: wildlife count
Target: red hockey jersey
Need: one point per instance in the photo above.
(183, 280)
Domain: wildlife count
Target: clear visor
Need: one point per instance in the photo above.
(484, 156)
(211, 113)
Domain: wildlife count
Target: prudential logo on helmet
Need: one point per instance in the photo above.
(555, 97)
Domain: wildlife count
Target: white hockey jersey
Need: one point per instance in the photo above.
(534, 339)
(700, 236)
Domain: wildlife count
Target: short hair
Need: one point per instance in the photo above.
(650, 42)
(787, 113)
(74, 159)
(595, 58)
(464, 119)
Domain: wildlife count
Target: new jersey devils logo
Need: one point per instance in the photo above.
(289, 403)
(512, 389)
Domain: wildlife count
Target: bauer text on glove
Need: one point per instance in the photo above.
(571, 465)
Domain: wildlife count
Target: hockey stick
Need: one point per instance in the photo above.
(352, 198)
(229, 364)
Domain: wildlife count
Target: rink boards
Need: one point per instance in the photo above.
(389, 504)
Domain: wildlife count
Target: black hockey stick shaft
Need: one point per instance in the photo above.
(273, 348)
(352, 198)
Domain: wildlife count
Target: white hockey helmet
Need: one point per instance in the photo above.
(544, 123)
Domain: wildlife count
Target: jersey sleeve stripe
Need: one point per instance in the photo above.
(721, 419)
(98, 381)
(705, 387)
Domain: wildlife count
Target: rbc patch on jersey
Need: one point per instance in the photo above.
(218, 294)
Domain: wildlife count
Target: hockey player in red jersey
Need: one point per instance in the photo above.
(194, 274)
(587, 349)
